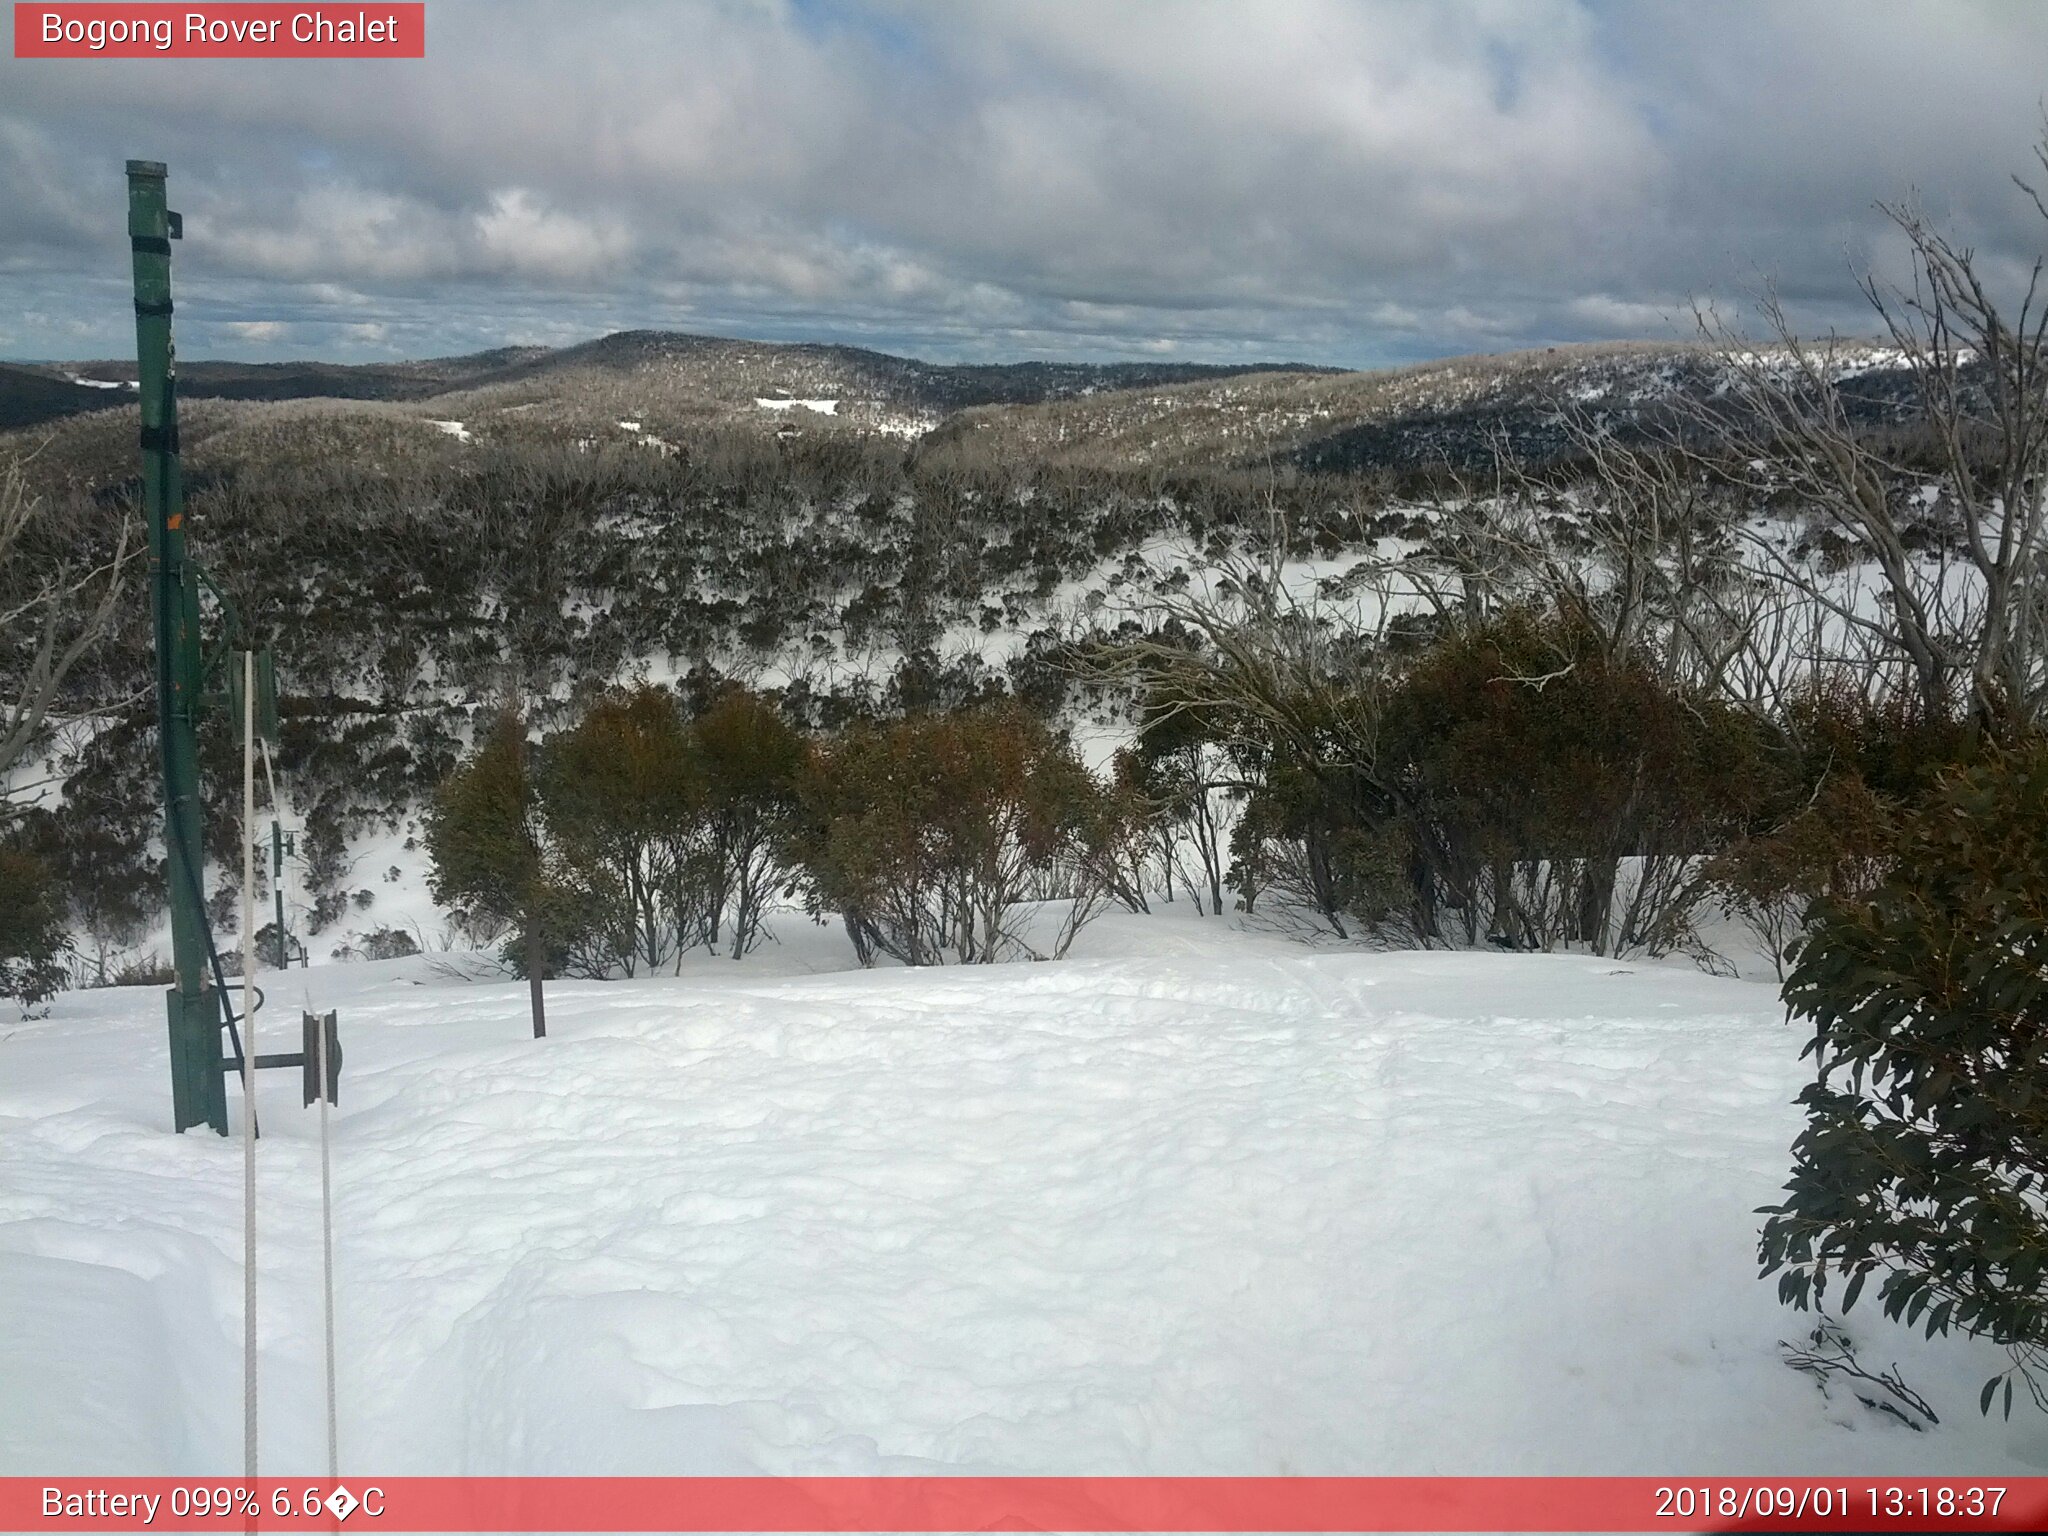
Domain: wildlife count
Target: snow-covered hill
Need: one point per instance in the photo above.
(1197, 1202)
(1161, 417)
(674, 374)
(1458, 411)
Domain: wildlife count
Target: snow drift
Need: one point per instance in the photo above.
(1202, 1202)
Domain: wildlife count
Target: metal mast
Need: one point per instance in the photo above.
(198, 1086)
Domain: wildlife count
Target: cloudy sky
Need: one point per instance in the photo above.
(1332, 181)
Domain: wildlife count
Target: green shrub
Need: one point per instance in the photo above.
(490, 852)
(926, 833)
(1531, 762)
(1925, 1156)
(1833, 844)
(1842, 775)
(386, 944)
(1514, 778)
(749, 759)
(32, 938)
(670, 831)
(622, 797)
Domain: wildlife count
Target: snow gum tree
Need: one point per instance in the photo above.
(623, 793)
(627, 838)
(927, 832)
(60, 595)
(1969, 629)
(490, 852)
(1183, 768)
(59, 599)
(749, 759)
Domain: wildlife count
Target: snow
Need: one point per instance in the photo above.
(1196, 1201)
(897, 424)
(645, 438)
(454, 429)
(822, 407)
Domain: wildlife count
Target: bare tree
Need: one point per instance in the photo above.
(1637, 549)
(1961, 615)
(1270, 663)
(55, 605)
(1257, 652)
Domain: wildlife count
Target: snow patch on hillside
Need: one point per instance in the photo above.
(822, 407)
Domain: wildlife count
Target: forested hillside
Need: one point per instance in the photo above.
(520, 541)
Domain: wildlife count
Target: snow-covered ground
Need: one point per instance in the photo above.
(1196, 1201)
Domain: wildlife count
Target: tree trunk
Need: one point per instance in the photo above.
(1506, 927)
(1422, 881)
(863, 942)
(1596, 900)
(1323, 880)
(1212, 859)
(536, 962)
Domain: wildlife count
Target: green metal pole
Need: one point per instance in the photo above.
(198, 1087)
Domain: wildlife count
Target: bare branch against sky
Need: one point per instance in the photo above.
(1320, 180)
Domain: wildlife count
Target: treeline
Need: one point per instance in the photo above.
(1515, 782)
(643, 831)
(399, 575)
(572, 559)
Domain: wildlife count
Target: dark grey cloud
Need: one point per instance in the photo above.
(1317, 179)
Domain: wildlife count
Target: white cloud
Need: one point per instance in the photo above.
(1627, 317)
(1314, 178)
(521, 235)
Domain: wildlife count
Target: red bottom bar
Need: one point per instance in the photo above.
(925, 1504)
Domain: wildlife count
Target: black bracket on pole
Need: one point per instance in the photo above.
(306, 1058)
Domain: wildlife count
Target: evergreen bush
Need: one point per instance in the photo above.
(32, 938)
(1924, 1161)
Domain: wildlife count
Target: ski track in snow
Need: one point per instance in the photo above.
(1205, 1203)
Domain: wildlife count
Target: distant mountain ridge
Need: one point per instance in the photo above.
(665, 389)
(35, 392)
(1458, 411)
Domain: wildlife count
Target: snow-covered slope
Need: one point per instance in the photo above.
(1196, 1202)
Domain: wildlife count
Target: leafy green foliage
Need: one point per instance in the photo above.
(109, 878)
(1532, 761)
(1926, 1147)
(1496, 781)
(490, 854)
(1835, 790)
(926, 833)
(483, 832)
(671, 831)
(1181, 771)
(749, 760)
(622, 795)
(32, 939)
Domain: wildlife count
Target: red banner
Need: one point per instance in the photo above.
(922, 1504)
(214, 31)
